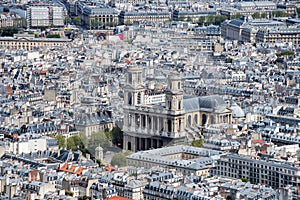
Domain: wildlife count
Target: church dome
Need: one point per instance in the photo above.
(237, 111)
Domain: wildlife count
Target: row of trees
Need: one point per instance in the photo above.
(285, 53)
(259, 15)
(214, 19)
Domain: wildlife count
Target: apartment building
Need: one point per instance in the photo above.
(30, 43)
(42, 15)
(184, 15)
(256, 5)
(10, 20)
(276, 35)
(270, 173)
(185, 159)
(155, 16)
(96, 14)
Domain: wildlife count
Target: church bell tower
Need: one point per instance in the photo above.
(134, 92)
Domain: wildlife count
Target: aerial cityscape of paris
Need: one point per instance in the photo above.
(149, 100)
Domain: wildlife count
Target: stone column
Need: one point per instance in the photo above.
(146, 123)
(149, 144)
(158, 124)
(137, 143)
(140, 125)
(132, 143)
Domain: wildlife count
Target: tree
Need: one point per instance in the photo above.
(98, 161)
(61, 140)
(210, 20)
(71, 144)
(285, 53)
(119, 159)
(83, 139)
(278, 13)
(202, 20)
(245, 180)
(128, 22)
(219, 19)
(256, 15)
(236, 16)
(117, 136)
(77, 20)
(9, 31)
(189, 19)
(74, 143)
(67, 20)
(53, 36)
(181, 18)
(198, 143)
(263, 15)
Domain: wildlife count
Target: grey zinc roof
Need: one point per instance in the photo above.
(208, 103)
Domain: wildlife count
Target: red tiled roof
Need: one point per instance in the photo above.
(117, 198)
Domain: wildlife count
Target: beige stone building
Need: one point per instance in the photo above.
(177, 120)
(133, 16)
(276, 35)
(28, 42)
(185, 159)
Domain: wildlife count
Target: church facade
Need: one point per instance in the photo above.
(177, 120)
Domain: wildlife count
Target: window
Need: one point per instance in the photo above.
(196, 119)
(129, 98)
(139, 98)
(189, 120)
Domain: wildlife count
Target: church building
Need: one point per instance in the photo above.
(178, 119)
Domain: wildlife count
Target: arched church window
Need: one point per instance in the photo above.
(189, 120)
(129, 98)
(204, 119)
(130, 78)
(212, 119)
(139, 98)
(196, 119)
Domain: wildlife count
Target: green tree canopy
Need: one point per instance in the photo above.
(198, 143)
(67, 19)
(61, 140)
(53, 36)
(285, 53)
(77, 20)
(236, 16)
(212, 19)
(256, 15)
(189, 19)
(278, 13)
(181, 18)
(119, 159)
(245, 180)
